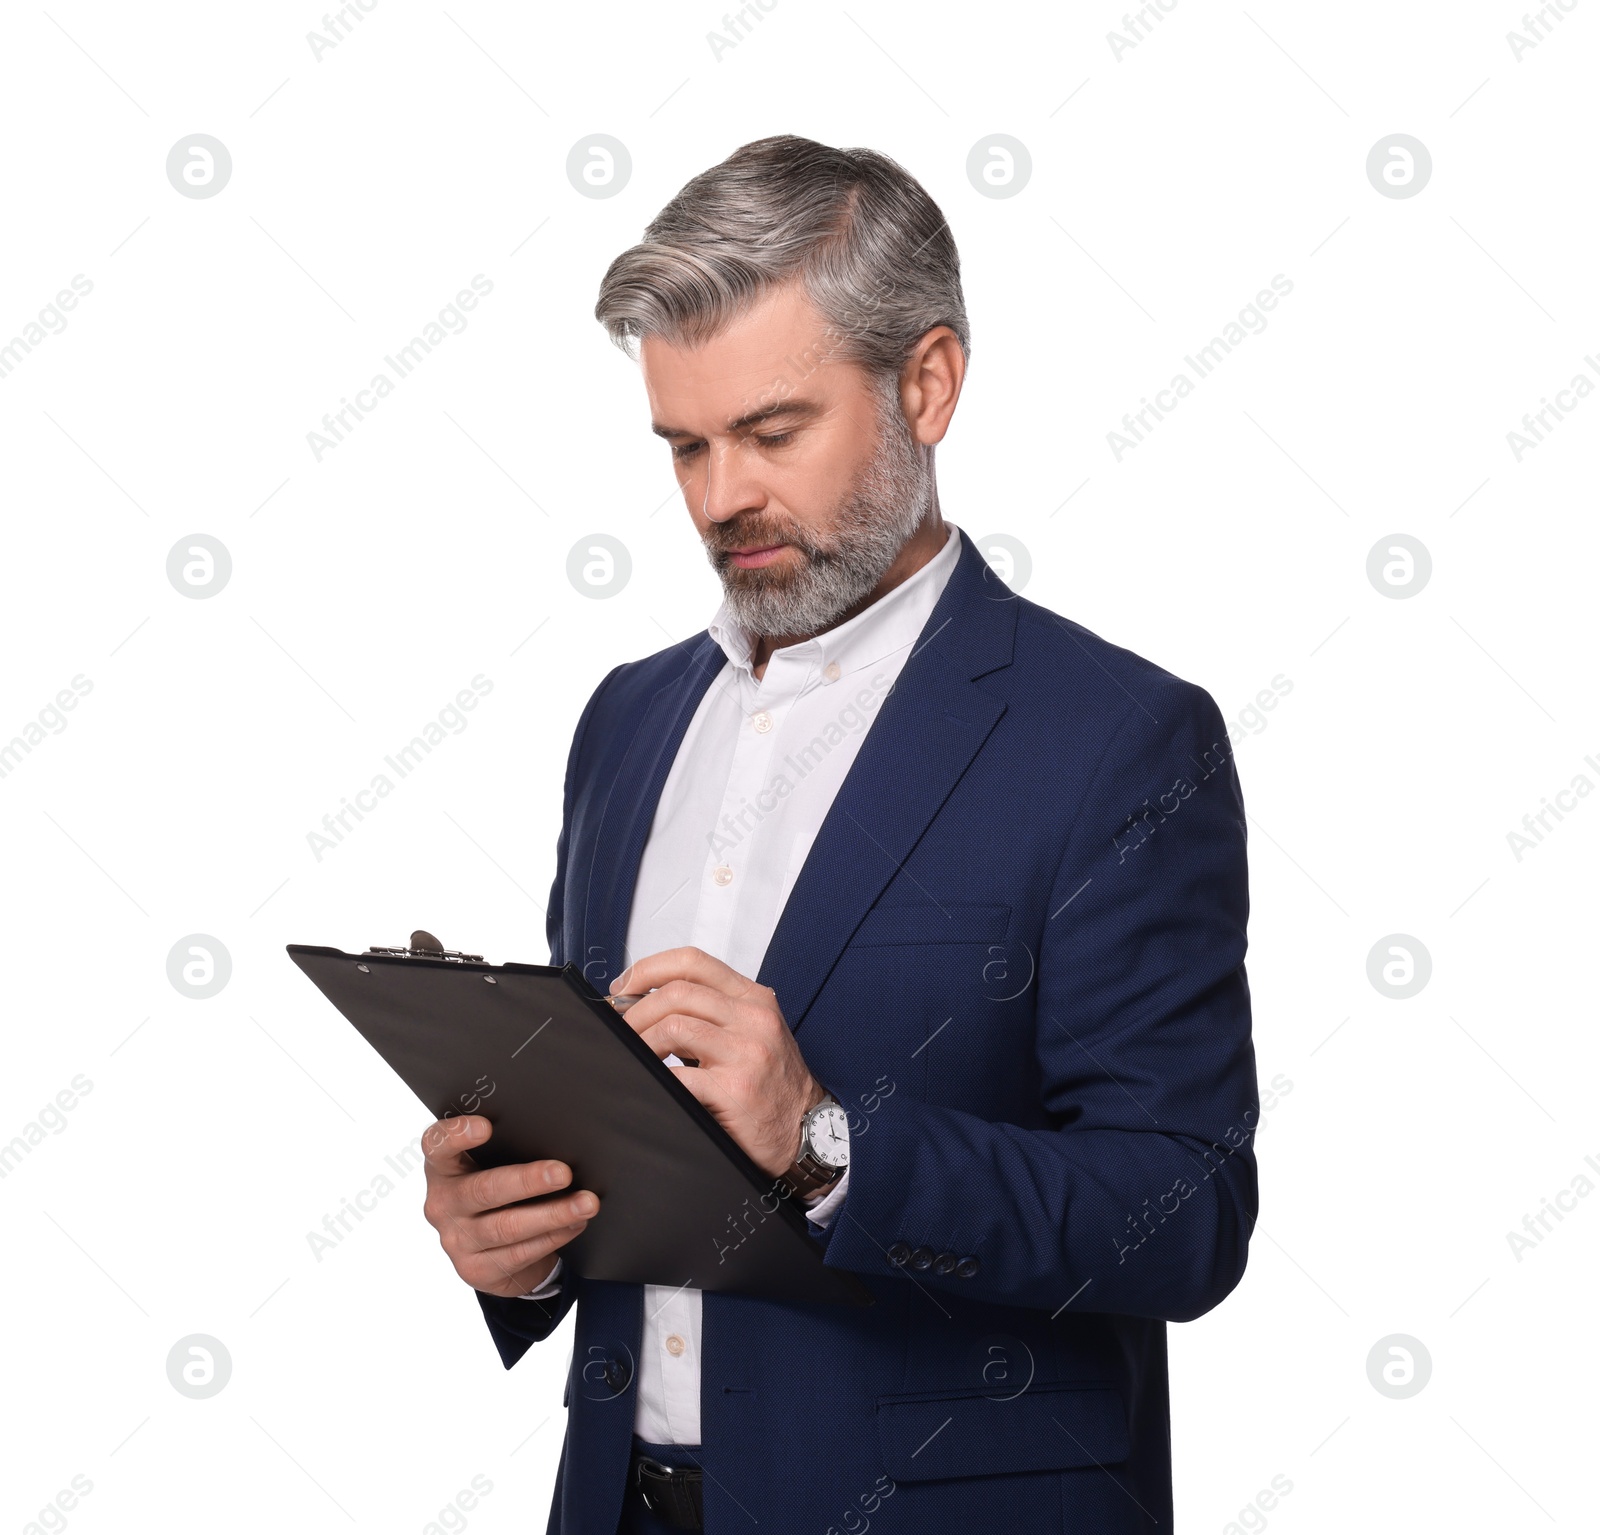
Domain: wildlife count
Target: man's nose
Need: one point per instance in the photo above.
(731, 485)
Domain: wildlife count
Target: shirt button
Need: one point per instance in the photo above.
(722, 874)
(762, 721)
(831, 671)
(675, 1345)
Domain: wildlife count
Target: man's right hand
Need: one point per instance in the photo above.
(499, 1243)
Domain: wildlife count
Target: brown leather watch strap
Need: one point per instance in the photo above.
(808, 1178)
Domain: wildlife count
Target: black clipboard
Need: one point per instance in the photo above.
(556, 1069)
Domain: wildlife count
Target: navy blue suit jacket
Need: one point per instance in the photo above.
(1016, 953)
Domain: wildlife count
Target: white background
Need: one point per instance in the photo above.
(1168, 186)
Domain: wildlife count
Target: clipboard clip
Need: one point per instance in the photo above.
(425, 946)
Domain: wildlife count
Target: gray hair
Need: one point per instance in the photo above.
(873, 250)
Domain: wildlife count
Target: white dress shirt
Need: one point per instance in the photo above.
(748, 791)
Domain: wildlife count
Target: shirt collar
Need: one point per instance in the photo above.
(891, 623)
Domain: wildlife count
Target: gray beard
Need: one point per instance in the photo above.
(885, 507)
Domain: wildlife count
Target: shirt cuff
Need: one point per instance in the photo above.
(549, 1287)
(825, 1208)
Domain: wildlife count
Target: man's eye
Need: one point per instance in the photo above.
(769, 440)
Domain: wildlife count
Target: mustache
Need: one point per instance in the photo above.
(724, 538)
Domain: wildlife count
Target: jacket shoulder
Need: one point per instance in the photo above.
(634, 683)
(1072, 665)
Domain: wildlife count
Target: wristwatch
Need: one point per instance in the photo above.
(824, 1148)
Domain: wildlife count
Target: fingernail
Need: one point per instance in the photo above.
(585, 1204)
(556, 1174)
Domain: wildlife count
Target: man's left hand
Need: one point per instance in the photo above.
(751, 1076)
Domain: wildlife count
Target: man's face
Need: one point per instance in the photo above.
(802, 486)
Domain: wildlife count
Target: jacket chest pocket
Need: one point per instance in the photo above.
(909, 975)
(948, 958)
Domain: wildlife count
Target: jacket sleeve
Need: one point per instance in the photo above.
(516, 1322)
(1140, 1197)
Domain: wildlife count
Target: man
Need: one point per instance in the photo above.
(943, 895)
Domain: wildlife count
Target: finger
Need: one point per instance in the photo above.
(486, 1272)
(681, 996)
(489, 1188)
(446, 1144)
(475, 1240)
(703, 1086)
(507, 1227)
(690, 1039)
(525, 1254)
(690, 964)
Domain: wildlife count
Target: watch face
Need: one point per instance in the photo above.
(828, 1134)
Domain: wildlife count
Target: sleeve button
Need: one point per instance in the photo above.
(922, 1258)
(899, 1254)
(967, 1267)
(944, 1263)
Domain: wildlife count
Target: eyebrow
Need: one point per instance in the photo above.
(803, 410)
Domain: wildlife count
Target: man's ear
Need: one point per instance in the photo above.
(930, 384)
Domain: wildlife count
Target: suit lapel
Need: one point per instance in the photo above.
(928, 730)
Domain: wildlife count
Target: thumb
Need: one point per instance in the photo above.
(446, 1142)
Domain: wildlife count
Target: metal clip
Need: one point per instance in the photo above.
(425, 946)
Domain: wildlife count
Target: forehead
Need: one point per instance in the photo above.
(764, 354)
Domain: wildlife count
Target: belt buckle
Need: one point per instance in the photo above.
(671, 1501)
(656, 1468)
(642, 1463)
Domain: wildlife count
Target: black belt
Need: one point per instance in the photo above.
(671, 1493)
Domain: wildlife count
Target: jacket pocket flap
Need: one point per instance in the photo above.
(933, 924)
(1045, 1428)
